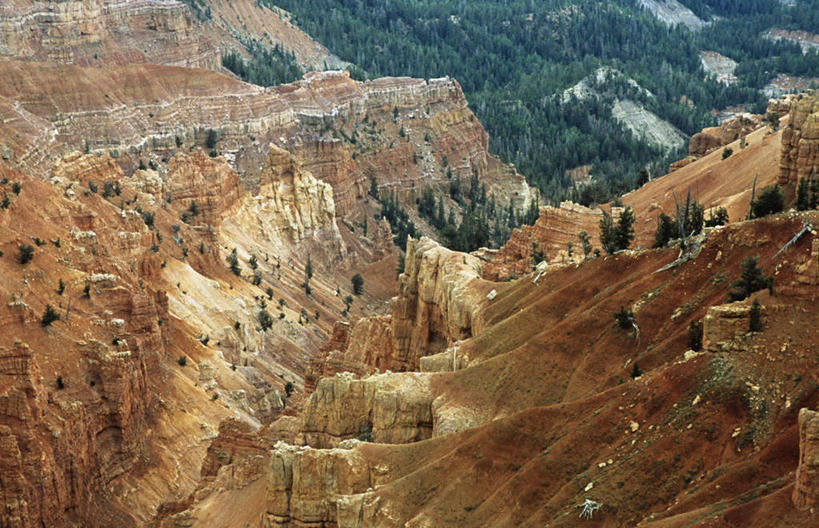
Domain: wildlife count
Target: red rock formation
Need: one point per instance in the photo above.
(800, 141)
(731, 130)
(209, 182)
(806, 491)
(554, 229)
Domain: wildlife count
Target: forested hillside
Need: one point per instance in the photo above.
(515, 57)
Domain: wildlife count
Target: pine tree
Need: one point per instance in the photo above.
(49, 316)
(607, 236)
(624, 233)
(751, 279)
(666, 230)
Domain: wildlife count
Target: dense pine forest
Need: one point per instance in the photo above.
(514, 59)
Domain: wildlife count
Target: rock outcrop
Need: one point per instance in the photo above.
(388, 408)
(305, 484)
(195, 178)
(713, 138)
(87, 32)
(806, 491)
(723, 324)
(435, 303)
(290, 207)
(800, 142)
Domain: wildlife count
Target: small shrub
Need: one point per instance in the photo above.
(289, 388)
(624, 318)
(233, 260)
(92, 187)
(720, 217)
(49, 316)
(148, 218)
(210, 142)
(26, 253)
(366, 433)
(183, 360)
(636, 372)
(666, 230)
(265, 321)
(16, 187)
(60, 287)
(358, 284)
(60, 383)
(110, 189)
(727, 153)
(86, 292)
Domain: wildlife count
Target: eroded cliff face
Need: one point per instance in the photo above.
(436, 304)
(107, 413)
(713, 138)
(305, 484)
(87, 32)
(439, 301)
(170, 32)
(291, 207)
(800, 141)
(76, 393)
(343, 132)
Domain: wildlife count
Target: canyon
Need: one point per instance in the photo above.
(183, 344)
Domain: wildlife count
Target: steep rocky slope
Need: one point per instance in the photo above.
(545, 409)
(107, 411)
(139, 187)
